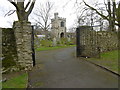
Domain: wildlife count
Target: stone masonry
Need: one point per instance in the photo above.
(92, 43)
(23, 42)
(9, 52)
(58, 28)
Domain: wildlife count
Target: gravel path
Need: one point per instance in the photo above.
(61, 69)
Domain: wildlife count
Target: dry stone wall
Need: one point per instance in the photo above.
(92, 43)
(88, 42)
(107, 41)
(16, 47)
(23, 42)
(9, 53)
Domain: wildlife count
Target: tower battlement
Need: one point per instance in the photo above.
(58, 28)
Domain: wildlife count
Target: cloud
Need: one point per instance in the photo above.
(66, 10)
(4, 23)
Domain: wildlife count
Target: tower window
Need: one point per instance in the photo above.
(62, 24)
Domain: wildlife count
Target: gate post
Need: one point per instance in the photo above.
(23, 43)
(78, 41)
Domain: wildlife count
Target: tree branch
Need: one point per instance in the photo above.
(41, 25)
(10, 12)
(31, 7)
(103, 16)
(12, 2)
(27, 4)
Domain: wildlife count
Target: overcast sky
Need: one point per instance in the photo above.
(65, 10)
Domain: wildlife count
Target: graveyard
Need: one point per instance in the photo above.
(44, 45)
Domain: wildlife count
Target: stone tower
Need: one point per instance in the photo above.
(58, 28)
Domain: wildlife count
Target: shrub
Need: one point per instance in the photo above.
(64, 41)
(46, 43)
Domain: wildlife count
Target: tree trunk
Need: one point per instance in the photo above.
(22, 15)
(23, 31)
(113, 21)
(109, 12)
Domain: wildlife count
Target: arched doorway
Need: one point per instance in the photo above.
(62, 35)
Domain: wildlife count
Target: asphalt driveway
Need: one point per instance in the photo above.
(61, 69)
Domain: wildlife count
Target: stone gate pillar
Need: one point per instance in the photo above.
(23, 41)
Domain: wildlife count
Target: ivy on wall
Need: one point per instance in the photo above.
(8, 48)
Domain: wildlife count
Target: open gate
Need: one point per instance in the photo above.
(87, 42)
(32, 46)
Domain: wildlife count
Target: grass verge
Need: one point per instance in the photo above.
(108, 60)
(52, 48)
(19, 81)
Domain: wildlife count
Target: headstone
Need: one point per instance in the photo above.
(69, 39)
(54, 42)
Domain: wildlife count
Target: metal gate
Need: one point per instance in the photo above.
(87, 42)
(32, 46)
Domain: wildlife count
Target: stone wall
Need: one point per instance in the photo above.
(9, 53)
(16, 47)
(23, 42)
(88, 42)
(107, 41)
(92, 43)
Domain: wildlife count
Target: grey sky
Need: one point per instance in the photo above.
(65, 10)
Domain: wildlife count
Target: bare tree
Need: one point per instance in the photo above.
(113, 15)
(23, 11)
(43, 16)
(88, 17)
(22, 31)
(118, 15)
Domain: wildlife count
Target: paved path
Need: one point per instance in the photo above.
(61, 69)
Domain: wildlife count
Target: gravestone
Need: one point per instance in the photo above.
(69, 39)
(54, 42)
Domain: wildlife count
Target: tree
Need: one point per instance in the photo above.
(118, 15)
(113, 15)
(23, 11)
(22, 31)
(43, 16)
(89, 17)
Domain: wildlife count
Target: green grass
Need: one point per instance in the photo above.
(108, 59)
(52, 48)
(16, 82)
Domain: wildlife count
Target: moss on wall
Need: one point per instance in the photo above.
(8, 48)
(107, 41)
(93, 42)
